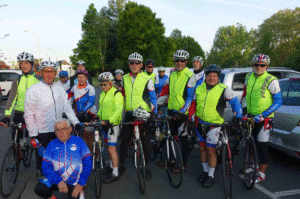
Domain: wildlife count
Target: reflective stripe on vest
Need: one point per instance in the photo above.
(178, 81)
(134, 92)
(259, 98)
(207, 102)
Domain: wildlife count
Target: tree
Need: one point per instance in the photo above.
(88, 47)
(231, 47)
(139, 31)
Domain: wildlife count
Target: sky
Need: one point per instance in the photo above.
(57, 23)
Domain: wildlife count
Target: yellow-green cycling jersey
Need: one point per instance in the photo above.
(18, 90)
(111, 106)
(152, 76)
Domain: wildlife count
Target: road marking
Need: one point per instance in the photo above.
(287, 193)
(264, 190)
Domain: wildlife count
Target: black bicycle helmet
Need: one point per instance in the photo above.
(213, 68)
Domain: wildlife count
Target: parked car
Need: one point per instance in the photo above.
(234, 78)
(6, 78)
(285, 135)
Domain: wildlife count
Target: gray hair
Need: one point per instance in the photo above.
(63, 120)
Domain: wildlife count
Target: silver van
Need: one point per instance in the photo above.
(234, 78)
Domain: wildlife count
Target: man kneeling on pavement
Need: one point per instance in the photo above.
(67, 164)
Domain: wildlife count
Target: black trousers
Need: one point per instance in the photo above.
(127, 132)
(19, 118)
(262, 147)
(43, 191)
(44, 139)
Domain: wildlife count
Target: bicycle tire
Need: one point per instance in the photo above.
(27, 154)
(227, 170)
(173, 162)
(140, 165)
(10, 155)
(250, 160)
(97, 158)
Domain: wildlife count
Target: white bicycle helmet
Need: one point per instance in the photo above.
(199, 59)
(135, 56)
(141, 114)
(119, 71)
(24, 56)
(106, 76)
(48, 64)
(80, 62)
(161, 68)
(183, 54)
(261, 58)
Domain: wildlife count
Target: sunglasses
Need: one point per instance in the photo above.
(134, 62)
(261, 65)
(179, 60)
(102, 85)
(119, 74)
(150, 66)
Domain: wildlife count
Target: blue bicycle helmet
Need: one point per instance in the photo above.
(213, 68)
(63, 73)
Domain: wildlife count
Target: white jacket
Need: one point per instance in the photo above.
(43, 105)
(66, 86)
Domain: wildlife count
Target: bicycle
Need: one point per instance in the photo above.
(19, 150)
(250, 156)
(97, 155)
(224, 149)
(170, 154)
(139, 158)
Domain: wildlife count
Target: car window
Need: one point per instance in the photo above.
(284, 87)
(238, 81)
(222, 77)
(276, 74)
(12, 76)
(291, 74)
(294, 93)
(3, 77)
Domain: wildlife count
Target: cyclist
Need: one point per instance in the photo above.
(70, 173)
(44, 103)
(138, 90)
(211, 98)
(263, 96)
(64, 81)
(110, 113)
(149, 66)
(80, 66)
(117, 81)
(18, 90)
(180, 87)
(84, 96)
(161, 79)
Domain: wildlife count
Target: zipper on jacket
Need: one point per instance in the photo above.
(65, 153)
(204, 104)
(132, 92)
(53, 101)
(102, 105)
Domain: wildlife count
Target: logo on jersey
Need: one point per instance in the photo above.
(73, 147)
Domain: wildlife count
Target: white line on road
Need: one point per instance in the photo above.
(287, 193)
(264, 190)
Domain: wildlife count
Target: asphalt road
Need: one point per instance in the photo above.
(282, 179)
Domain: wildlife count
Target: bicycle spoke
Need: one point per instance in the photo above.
(140, 166)
(250, 163)
(98, 170)
(227, 170)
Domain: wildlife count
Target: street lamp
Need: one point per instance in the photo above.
(38, 43)
(6, 35)
(55, 53)
(48, 56)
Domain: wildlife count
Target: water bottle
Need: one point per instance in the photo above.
(36, 144)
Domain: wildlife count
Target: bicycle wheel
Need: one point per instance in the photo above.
(98, 169)
(9, 171)
(227, 170)
(140, 165)
(173, 162)
(27, 153)
(153, 148)
(250, 163)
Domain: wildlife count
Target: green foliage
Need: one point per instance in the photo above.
(88, 47)
(140, 31)
(231, 47)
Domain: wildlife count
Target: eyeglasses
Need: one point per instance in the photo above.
(134, 62)
(49, 71)
(119, 74)
(102, 85)
(179, 60)
(261, 65)
(150, 66)
(60, 130)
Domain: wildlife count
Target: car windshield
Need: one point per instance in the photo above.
(290, 92)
